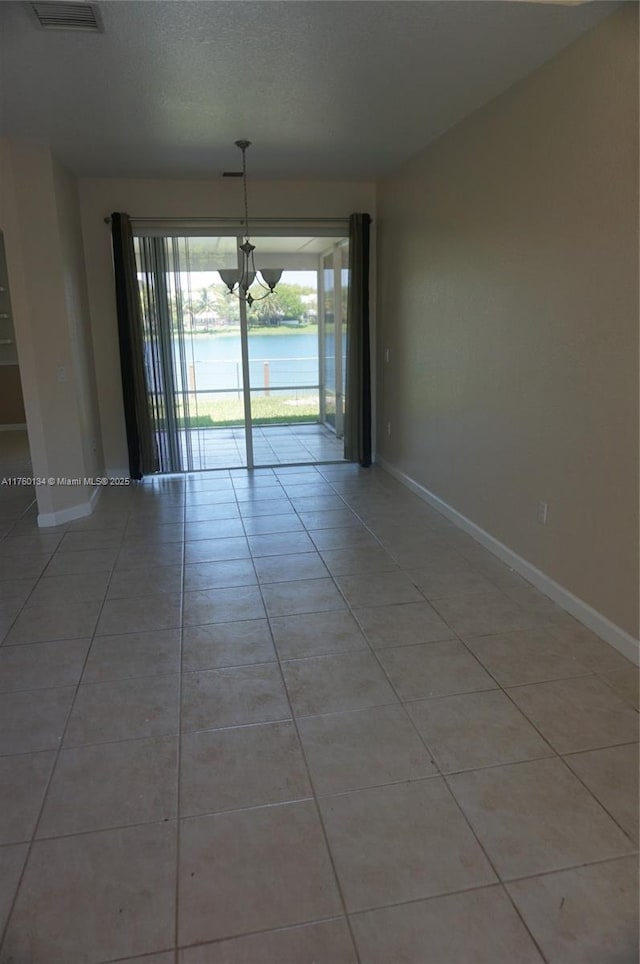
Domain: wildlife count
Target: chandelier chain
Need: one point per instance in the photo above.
(238, 281)
(246, 193)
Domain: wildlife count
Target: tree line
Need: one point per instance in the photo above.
(214, 305)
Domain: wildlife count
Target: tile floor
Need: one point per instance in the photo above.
(295, 716)
(215, 448)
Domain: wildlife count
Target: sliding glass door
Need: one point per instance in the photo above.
(193, 351)
(334, 276)
(234, 385)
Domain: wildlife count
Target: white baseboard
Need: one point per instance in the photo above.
(583, 612)
(18, 427)
(70, 514)
(95, 496)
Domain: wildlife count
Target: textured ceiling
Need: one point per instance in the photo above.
(326, 89)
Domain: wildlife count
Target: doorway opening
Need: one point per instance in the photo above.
(233, 385)
(15, 453)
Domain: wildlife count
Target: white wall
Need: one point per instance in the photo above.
(78, 319)
(40, 218)
(179, 199)
(508, 297)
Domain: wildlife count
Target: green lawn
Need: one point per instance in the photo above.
(272, 410)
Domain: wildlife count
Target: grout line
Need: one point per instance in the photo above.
(554, 754)
(179, 757)
(57, 751)
(311, 784)
(598, 749)
(221, 940)
(157, 822)
(632, 855)
(422, 740)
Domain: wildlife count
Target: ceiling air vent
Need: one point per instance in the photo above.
(67, 16)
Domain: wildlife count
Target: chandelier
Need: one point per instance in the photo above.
(239, 280)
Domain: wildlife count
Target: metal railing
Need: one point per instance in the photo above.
(266, 386)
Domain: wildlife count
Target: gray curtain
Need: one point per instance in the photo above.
(357, 418)
(143, 455)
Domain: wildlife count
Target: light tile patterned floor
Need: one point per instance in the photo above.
(213, 448)
(295, 716)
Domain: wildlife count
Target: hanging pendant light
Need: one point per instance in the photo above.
(238, 281)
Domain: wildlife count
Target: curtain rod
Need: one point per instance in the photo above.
(236, 220)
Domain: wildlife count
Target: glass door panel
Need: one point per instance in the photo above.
(342, 257)
(333, 334)
(208, 354)
(328, 346)
(282, 332)
(193, 349)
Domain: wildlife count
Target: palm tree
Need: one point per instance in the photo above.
(205, 303)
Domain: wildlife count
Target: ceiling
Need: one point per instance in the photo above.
(323, 88)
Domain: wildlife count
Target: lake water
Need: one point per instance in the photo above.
(292, 360)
